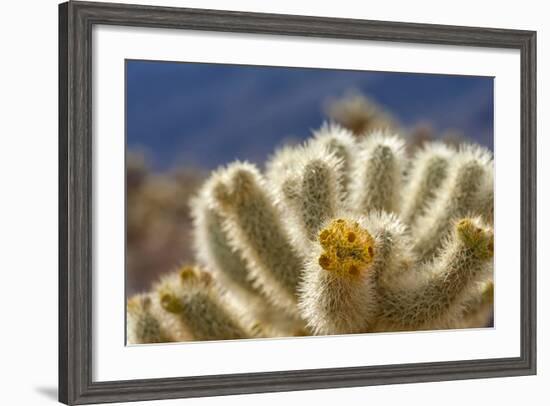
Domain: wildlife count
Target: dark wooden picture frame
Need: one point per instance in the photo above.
(76, 20)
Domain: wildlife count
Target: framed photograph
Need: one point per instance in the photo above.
(258, 202)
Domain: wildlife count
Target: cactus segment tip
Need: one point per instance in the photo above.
(475, 237)
(348, 249)
(192, 274)
(139, 302)
(170, 302)
(188, 278)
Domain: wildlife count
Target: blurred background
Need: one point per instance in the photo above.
(185, 119)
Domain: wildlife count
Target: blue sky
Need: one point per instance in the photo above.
(206, 115)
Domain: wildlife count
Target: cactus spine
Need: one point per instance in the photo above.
(340, 235)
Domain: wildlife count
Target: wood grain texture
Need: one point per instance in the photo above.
(76, 20)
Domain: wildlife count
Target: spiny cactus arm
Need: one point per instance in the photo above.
(213, 250)
(309, 192)
(143, 327)
(429, 169)
(281, 162)
(394, 258)
(336, 295)
(254, 228)
(357, 259)
(340, 142)
(201, 307)
(458, 197)
(436, 300)
(230, 270)
(377, 174)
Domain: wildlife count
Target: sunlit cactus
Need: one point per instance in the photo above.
(377, 174)
(340, 142)
(436, 297)
(308, 185)
(425, 176)
(338, 291)
(229, 269)
(212, 247)
(341, 235)
(254, 226)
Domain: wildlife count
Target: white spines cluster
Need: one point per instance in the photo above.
(377, 174)
(429, 169)
(349, 235)
(341, 143)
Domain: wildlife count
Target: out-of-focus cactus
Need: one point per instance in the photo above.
(158, 220)
(197, 307)
(340, 235)
(142, 324)
(359, 114)
(363, 116)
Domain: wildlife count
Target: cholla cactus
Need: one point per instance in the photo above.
(342, 235)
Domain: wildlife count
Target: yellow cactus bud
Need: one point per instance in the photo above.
(187, 273)
(347, 248)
